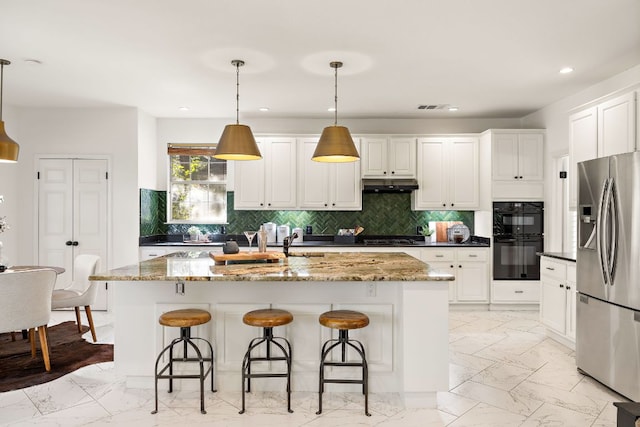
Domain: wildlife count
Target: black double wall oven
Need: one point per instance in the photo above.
(517, 237)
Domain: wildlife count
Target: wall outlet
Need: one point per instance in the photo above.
(371, 289)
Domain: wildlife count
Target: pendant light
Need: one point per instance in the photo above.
(8, 147)
(336, 144)
(237, 141)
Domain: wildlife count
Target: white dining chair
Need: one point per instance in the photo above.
(81, 291)
(25, 303)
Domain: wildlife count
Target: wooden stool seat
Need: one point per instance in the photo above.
(344, 319)
(267, 318)
(185, 318)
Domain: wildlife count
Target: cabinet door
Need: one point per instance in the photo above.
(433, 172)
(374, 157)
(313, 177)
(505, 157)
(472, 281)
(530, 157)
(553, 304)
(464, 174)
(345, 185)
(570, 328)
(249, 186)
(402, 157)
(616, 126)
(280, 175)
(583, 145)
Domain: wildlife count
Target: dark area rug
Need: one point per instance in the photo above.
(67, 352)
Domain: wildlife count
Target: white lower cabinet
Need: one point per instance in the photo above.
(470, 268)
(558, 298)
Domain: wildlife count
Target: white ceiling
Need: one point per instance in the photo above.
(491, 58)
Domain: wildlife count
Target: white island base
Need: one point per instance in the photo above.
(406, 341)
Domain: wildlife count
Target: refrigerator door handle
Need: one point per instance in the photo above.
(599, 235)
(613, 239)
(607, 234)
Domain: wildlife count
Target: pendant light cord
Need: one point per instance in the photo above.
(1, 85)
(335, 99)
(238, 92)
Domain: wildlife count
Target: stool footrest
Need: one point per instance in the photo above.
(267, 359)
(342, 381)
(266, 375)
(343, 364)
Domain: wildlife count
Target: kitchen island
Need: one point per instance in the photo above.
(407, 302)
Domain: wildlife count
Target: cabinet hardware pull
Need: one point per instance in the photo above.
(384, 173)
(568, 288)
(393, 172)
(68, 243)
(520, 177)
(439, 256)
(515, 177)
(444, 204)
(519, 292)
(180, 288)
(459, 266)
(473, 256)
(561, 285)
(75, 243)
(550, 268)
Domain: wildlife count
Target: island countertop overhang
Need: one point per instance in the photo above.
(330, 267)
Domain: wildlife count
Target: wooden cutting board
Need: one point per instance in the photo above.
(273, 256)
(441, 229)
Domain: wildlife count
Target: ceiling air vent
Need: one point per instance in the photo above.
(433, 106)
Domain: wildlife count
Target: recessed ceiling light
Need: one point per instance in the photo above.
(263, 109)
(453, 108)
(332, 109)
(566, 70)
(183, 108)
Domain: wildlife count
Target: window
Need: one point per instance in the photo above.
(197, 185)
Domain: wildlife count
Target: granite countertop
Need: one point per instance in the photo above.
(567, 256)
(329, 267)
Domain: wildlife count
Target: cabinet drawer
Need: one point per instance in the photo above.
(553, 269)
(437, 255)
(516, 292)
(571, 272)
(466, 255)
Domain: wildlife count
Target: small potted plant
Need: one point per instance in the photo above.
(427, 233)
(193, 233)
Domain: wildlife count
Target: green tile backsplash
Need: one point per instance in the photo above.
(386, 213)
(153, 212)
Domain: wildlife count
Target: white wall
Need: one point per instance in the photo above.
(147, 152)
(555, 119)
(111, 132)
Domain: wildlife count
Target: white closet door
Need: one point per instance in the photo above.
(55, 216)
(72, 215)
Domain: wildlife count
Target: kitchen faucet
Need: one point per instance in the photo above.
(287, 242)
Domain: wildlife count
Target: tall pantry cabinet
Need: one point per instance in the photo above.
(72, 215)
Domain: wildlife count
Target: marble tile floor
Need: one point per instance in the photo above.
(503, 372)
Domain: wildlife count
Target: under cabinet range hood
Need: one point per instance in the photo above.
(389, 185)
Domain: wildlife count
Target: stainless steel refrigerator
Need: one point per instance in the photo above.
(608, 272)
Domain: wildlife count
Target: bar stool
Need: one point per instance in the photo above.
(184, 319)
(343, 321)
(267, 319)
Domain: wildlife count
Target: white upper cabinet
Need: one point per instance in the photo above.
(602, 130)
(269, 183)
(448, 174)
(517, 158)
(617, 125)
(388, 157)
(327, 186)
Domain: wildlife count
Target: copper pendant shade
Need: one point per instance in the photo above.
(9, 149)
(336, 144)
(237, 141)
